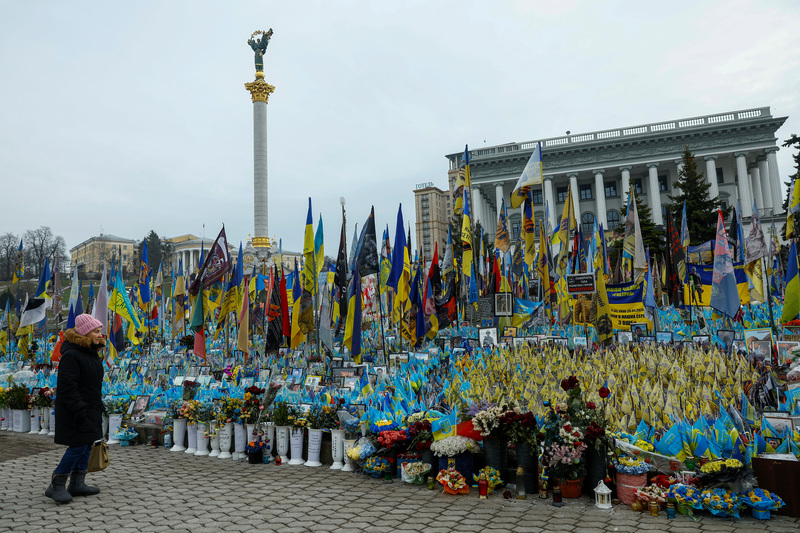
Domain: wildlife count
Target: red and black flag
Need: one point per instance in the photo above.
(274, 334)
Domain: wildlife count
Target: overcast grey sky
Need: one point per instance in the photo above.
(131, 116)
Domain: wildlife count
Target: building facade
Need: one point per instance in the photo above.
(736, 151)
(90, 255)
(433, 209)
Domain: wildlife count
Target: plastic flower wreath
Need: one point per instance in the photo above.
(254, 446)
(452, 481)
(651, 493)
(644, 445)
(492, 476)
(376, 464)
(632, 467)
(719, 465)
(720, 502)
(383, 425)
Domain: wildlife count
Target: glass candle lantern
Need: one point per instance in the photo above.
(653, 508)
(431, 483)
(670, 509)
(521, 495)
(483, 486)
(557, 501)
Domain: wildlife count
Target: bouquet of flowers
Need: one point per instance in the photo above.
(420, 434)
(492, 476)
(17, 397)
(43, 399)
(664, 481)
(762, 502)
(685, 495)
(452, 481)
(117, 405)
(255, 446)
(190, 411)
(565, 460)
(251, 406)
(519, 426)
(283, 414)
(452, 446)
(720, 502)
(362, 449)
(651, 493)
(728, 474)
(415, 472)
(323, 417)
(230, 410)
(392, 438)
(125, 435)
(487, 421)
(376, 465)
(633, 467)
(206, 413)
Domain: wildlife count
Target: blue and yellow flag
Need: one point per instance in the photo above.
(791, 300)
(352, 329)
(144, 273)
(502, 240)
(444, 426)
(531, 175)
(44, 280)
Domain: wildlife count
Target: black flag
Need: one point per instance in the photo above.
(367, 247)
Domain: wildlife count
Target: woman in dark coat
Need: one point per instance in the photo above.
(79, 407)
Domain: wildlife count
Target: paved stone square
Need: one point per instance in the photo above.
(152, 489)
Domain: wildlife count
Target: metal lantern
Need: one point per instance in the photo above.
(602, 496)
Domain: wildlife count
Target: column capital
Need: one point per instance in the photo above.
(598, 171)
(771, 149)
(572, 175)
(679, 162)
(260, 90)
(753, 165)
(740, 154)
(710, 157)
(652, 165)
(626, 167)
(548, 178)
(498, 185)
(762, 158)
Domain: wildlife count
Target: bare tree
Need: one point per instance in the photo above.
(41, 244)
(9, 243)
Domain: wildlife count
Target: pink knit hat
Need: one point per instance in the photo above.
(85, 324)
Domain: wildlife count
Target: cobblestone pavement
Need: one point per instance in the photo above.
(152, 489)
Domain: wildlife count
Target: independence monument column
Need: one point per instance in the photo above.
(260, 91)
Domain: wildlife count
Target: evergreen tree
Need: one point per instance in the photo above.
(794, 140)
(701, 209)
(651, 236)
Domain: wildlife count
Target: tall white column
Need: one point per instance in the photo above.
(600, 191)
(260, 169)
(711, 175)
(550, 203)
(766, 189)
(626, 183)
(655, 194)
(755, 180)
(498, 194)
(774, 180)
(477, 207)
(576, 198)
(745, 199)
(678, 170)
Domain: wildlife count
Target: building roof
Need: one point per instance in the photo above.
(104, 238)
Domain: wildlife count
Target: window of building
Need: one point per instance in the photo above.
(587, 223)
(611, 189)
(637, 186)
(724, 205)
(664, 212)
(586, 191)
(613, 219)
(562, 194)
(515, 229)
(663, 183)
(720, 176)
(537, 197)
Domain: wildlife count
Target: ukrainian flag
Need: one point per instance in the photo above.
(352, 328)
(791, 300)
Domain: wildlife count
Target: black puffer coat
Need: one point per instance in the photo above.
(79, 393)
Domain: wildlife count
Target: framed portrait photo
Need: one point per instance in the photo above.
(503, 305)
(701, 339)
(488, 336)
(509, 331)
(639, 329)
(663, 337)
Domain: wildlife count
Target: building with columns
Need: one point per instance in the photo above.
(188, 248)
(736, 151)
(433, 209)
